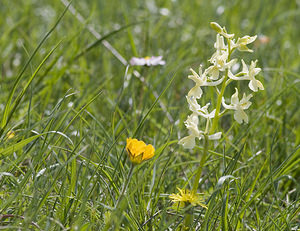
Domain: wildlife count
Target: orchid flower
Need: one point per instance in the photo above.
(244, 41)
(192, 125)
(249, 74)
(219, 59)
(219, 64)
(200, 81)
(239, 106)
(197, 109)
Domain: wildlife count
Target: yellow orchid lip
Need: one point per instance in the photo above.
(138, 151)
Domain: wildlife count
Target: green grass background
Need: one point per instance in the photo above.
(72, 109)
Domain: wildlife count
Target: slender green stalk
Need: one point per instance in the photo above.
(188, 220)
(218, 107)
(125, 185)
(219, 100)
(189, 215)
(202, 162)
(116, 211)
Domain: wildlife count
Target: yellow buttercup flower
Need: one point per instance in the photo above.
(186, 197)
(138, 151)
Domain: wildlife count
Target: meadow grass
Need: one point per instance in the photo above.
(69, 101)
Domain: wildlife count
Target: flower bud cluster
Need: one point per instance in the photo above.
(219, 73)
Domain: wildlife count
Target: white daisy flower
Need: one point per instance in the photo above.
(147, 61)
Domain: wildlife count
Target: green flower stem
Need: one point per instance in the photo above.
(188, 220)
(116, 211)
(202, 162)
(125, 185)
(219, 100)
(189, 216)
(218, 107)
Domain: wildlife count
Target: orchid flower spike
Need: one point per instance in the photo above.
(219, 71)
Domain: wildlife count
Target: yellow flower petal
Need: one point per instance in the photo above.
(10, 135)
(187, 196)
(149, 152)
(138, 151)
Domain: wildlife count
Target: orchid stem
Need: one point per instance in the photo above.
(202, 162)
(189, 216)
(219, 100)
(218, 107)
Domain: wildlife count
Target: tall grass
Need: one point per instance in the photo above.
(71, 103)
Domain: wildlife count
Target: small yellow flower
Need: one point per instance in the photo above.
(186, 197)
(10, 135)
(138, 151)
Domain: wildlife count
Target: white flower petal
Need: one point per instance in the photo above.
(244, 41)
(240, 116)
(212, 114)
(235, 97)
(214, 83)
(188, 142)
(245, 103)
(192, 124)
(215, 136)
(213, 72)
(252, 85)
(193, 104)
(245, 68)
(232, 76)
(157, 60)
(219, 44)
(226, 105)
(134, 61)
(226, 35)
(256, 71)
(259, 85)
(196, 92)
(230, 63)
(148, 61)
